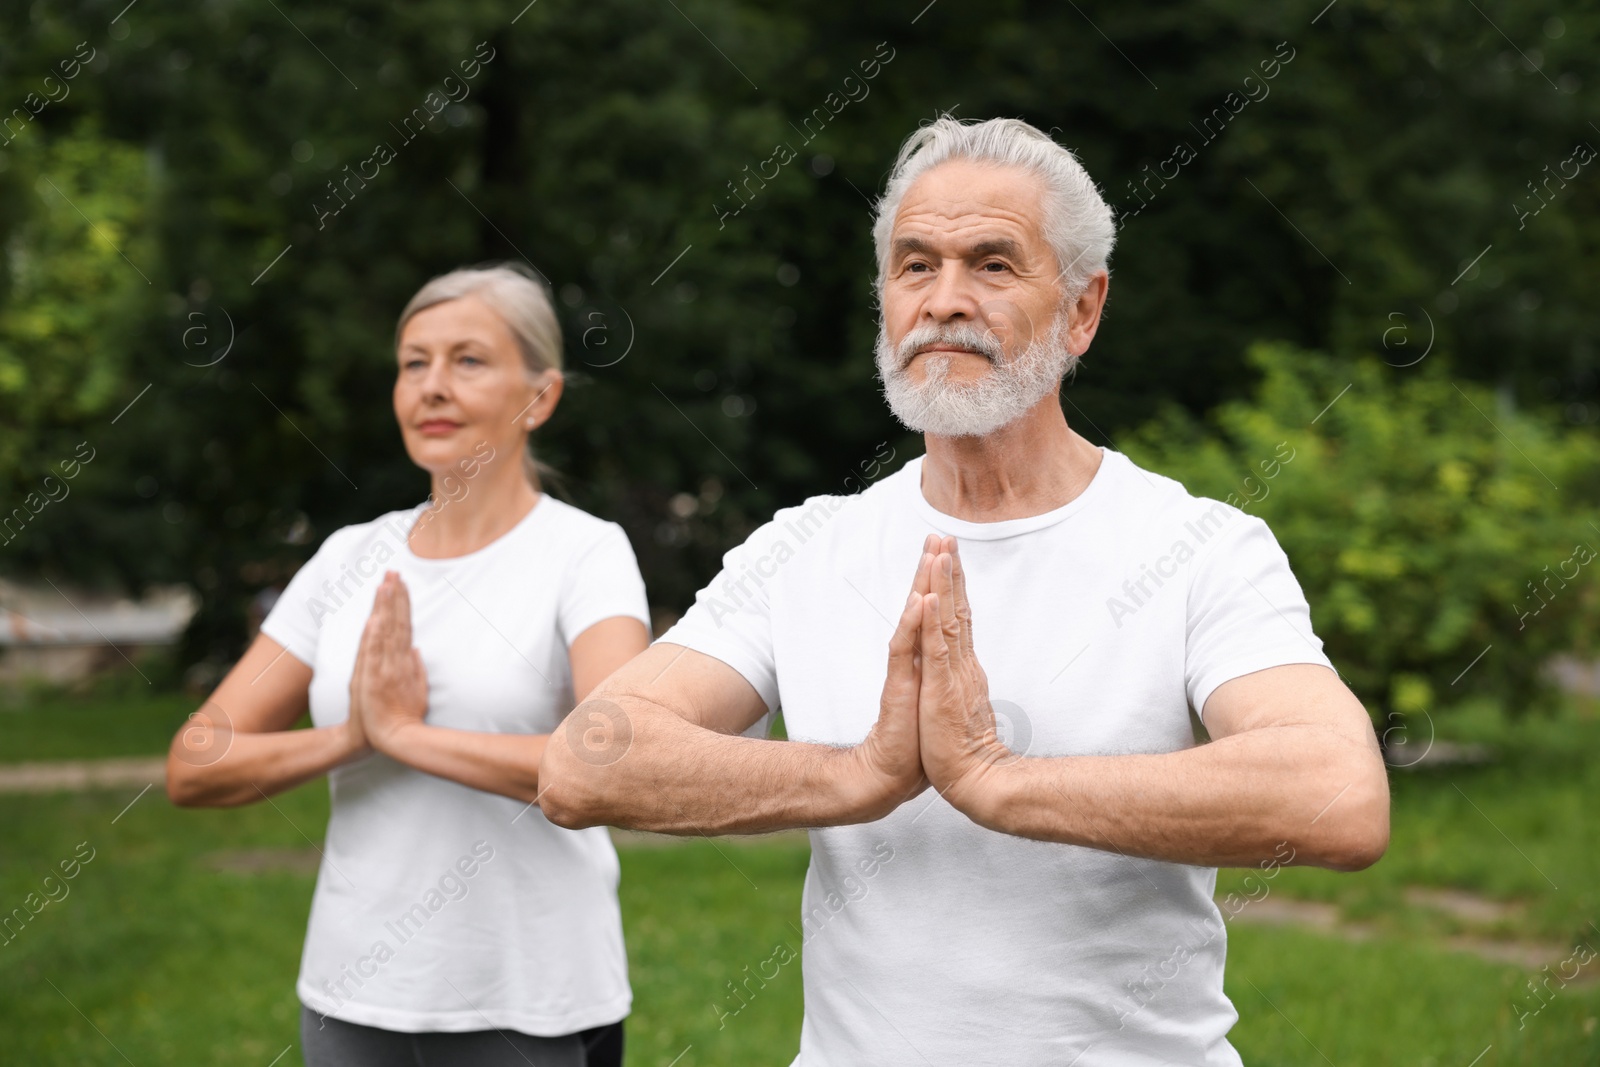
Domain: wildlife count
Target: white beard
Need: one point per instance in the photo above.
(970, 409)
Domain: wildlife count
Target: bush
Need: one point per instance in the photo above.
(1426, 521)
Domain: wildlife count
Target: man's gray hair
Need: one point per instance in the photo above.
(1078, 222)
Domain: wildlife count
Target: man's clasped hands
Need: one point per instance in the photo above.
(935, 723)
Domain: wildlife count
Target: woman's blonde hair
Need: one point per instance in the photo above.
(519, 296)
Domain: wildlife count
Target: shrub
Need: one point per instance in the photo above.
(1427, 521)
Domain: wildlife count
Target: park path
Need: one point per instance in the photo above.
(74, 776)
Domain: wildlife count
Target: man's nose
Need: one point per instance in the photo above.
(951, 298)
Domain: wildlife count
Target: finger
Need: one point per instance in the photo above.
(383, 610)
(388, 653)
(365, 677)
(377, 604)
(921, 581)
(361, 655)
(944, 585)
(963, 606)
(903, 644)
(421, 669)
(904, 641)
(402, 609)
(934, 674)
(371, 639)
(935, 650)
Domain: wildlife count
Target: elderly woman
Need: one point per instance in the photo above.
(451, 924)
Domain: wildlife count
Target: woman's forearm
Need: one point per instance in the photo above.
(507, 764)
(251, 766)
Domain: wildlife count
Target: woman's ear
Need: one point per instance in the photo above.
(546, 387)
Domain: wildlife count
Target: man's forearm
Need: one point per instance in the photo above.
(1231, 802)
(672, 776)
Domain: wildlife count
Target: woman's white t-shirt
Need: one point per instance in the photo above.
(438, 906)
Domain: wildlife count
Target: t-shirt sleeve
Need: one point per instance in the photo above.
(731, 619)
(295, 620)
(602, 582)
(1246, 612)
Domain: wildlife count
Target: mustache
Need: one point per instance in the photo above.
(957, 335)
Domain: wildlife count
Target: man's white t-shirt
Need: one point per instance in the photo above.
(440, 907)
(927, 938)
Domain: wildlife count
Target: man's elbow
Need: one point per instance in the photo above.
(566, 795)
(1357, 837)
(1359, 846)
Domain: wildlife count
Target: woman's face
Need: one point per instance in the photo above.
(463, 389)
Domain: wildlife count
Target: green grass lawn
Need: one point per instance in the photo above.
(61, 729)
(157, 956)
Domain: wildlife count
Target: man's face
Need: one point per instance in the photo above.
(968, 246)
(974, 330)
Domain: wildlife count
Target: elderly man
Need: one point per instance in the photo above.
(1049, 899)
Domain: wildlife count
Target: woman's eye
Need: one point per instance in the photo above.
(472, 361)
(413, 364)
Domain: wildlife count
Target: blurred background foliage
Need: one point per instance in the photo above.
(1393, 189)
(1429, 524)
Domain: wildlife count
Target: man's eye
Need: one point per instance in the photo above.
(996, 266)
(913, 268)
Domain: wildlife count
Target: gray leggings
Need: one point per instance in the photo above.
(329, 1042)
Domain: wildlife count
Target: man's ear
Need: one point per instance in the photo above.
(1084, 312)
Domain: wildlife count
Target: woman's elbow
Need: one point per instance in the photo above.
(183, 789)
(190, 786)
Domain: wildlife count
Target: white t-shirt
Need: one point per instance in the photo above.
(440, 907)
(927, 938)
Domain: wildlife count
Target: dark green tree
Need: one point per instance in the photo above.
(1329, 205)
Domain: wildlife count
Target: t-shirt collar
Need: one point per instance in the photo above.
(994, 531)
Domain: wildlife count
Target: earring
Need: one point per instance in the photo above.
(532, 423)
